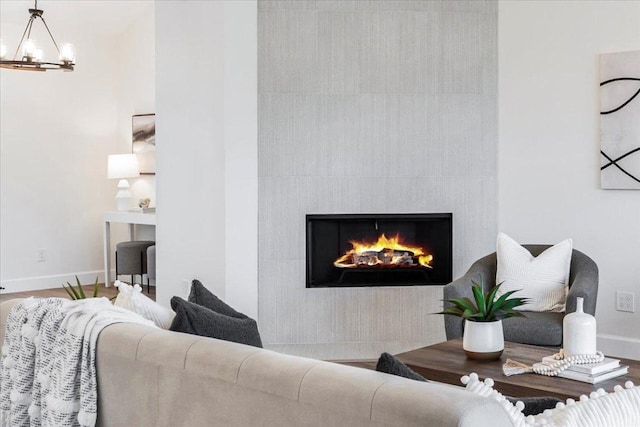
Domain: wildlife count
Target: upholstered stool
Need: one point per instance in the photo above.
(131, 258)
(151, 262)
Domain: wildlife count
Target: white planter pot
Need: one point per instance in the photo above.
(483, 340)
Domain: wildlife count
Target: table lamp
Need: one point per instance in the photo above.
(123, 166)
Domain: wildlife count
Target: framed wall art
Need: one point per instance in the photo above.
(620, 120)
(144, 142)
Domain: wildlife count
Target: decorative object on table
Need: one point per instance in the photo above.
(144, 142)
(619, 124)
(587, 368)
(544, 278)
(123, 166)
(621, 408)
(143, 206)
(29, 56)
(78, 292)
(483, 336)
(578, 332)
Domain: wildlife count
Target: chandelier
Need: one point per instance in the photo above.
(31, 56)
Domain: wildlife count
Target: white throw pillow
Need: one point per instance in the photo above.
(544, 279)
(618, 409)
(132, 298)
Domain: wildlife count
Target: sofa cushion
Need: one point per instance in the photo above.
(198, 320)
(544, 279)
(390, 365)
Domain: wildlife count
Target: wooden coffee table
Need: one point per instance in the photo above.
(446, 362)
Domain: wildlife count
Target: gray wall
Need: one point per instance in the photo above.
(370, 107)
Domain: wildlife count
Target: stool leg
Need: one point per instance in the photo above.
(116, 266)
(142, 271)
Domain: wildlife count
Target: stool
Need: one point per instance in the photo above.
(131, 258)
(151, 262)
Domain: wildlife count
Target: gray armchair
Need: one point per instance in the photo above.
(537, 328)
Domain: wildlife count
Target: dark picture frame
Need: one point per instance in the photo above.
(143, 142)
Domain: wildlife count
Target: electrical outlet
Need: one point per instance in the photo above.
(42, 255)
(625, 301)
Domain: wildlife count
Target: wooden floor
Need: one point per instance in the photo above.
(109, 292)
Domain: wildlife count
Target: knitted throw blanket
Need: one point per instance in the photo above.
(47, 370)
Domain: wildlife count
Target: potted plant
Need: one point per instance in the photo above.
(483, 337)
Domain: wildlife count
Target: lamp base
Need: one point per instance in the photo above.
(123, 197)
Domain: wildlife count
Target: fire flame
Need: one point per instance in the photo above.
(392, 251)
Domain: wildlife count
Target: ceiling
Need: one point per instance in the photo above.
(102, 17)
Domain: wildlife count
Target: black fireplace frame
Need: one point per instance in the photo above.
(400, 216)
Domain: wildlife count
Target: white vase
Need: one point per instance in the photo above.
(579, 332)
(483, 340)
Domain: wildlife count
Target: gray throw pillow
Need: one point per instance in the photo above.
(198, 320)
(204, 297)
(390, 365)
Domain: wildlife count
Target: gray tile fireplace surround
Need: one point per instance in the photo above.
(370, 107)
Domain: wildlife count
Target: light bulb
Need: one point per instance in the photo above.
(3, 50)
(37, 55)
(67, 53)
(29, 49)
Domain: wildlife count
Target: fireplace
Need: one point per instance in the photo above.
(379, 250)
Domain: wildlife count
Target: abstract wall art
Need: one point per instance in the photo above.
(144, 142)
(620, 120)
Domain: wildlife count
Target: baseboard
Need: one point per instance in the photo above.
(47, 282)
(618, 346)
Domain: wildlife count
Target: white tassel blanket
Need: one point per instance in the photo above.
(47, 370)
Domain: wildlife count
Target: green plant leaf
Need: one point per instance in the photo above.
(68, 291)
(464, 303)
(96, 288)
(75, 294)
(80, 289)
(454, 311)
(490, 299)
(478, 295)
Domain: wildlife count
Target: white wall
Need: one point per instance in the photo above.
(137, 88)
(57, 130)
(549, 145)
(190, 156)
(241, 155)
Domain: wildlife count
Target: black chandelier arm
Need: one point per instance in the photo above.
(50, 35)
(27, 28)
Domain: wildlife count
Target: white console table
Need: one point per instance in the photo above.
(131, 218)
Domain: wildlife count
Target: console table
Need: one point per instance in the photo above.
(131, 218)
(446, 362)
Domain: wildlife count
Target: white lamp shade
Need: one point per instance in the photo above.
(122, 166)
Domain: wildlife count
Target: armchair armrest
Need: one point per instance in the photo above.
(583, 283)
(482, 271)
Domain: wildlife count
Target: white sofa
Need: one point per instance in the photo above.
(152, 377)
